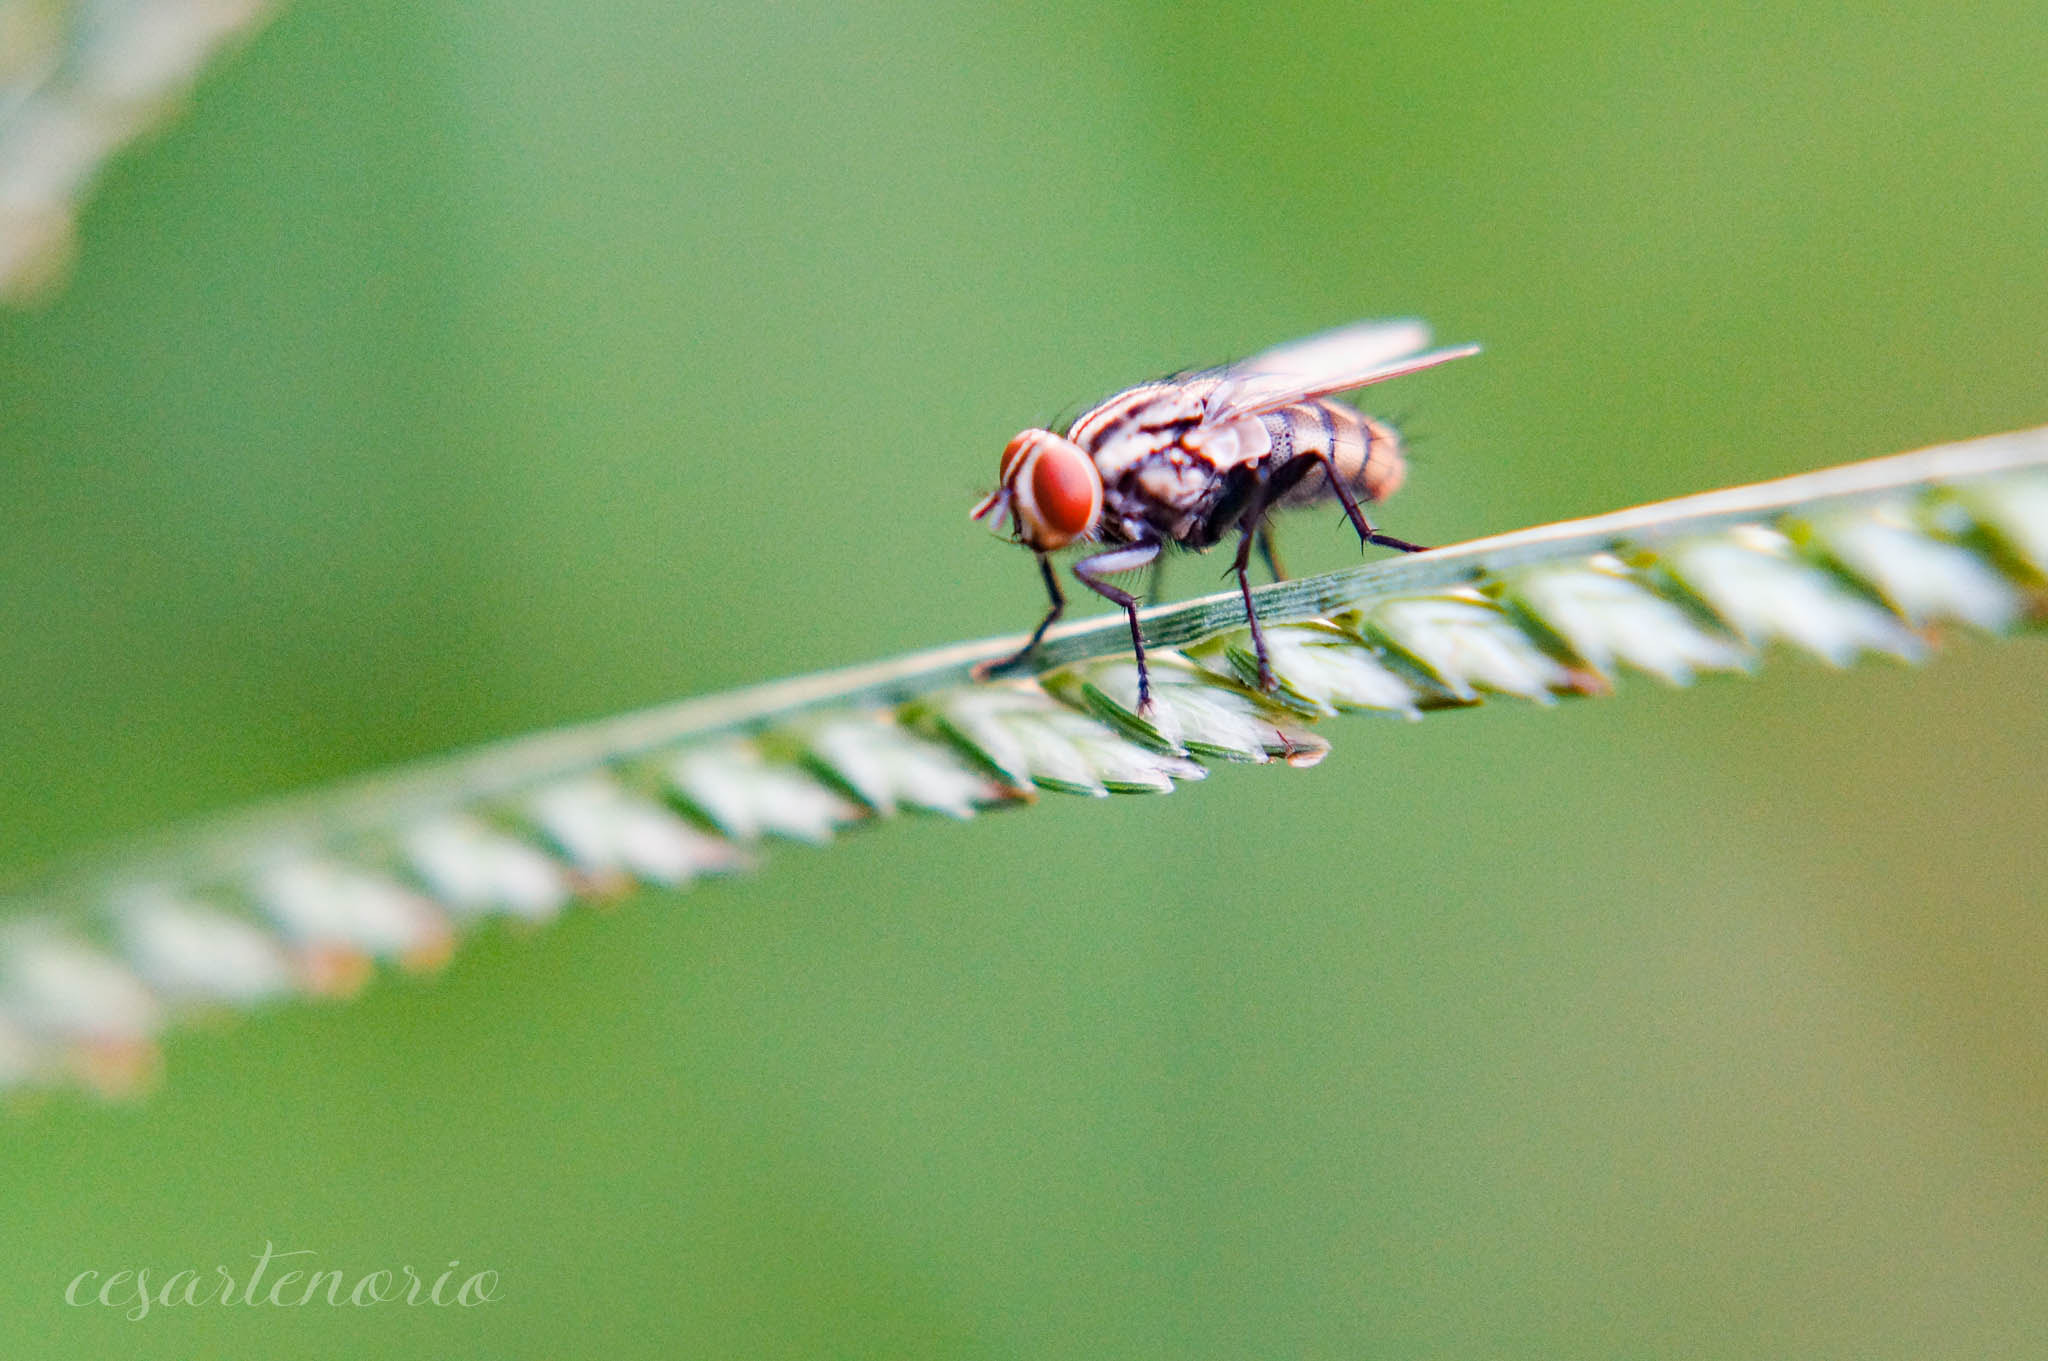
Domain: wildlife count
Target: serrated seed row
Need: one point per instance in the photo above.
(89, 978)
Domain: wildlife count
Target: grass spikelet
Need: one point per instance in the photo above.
(310, 896)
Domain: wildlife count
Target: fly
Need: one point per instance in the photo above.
(1189, 459)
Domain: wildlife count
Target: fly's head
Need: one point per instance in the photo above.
(1049, 490)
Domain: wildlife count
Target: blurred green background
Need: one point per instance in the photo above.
(446, 372)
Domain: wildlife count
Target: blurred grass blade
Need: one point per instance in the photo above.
(308, 896)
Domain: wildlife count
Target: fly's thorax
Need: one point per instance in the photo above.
(1162, 464)
(1150, 407)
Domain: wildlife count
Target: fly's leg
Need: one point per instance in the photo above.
(1366, 533)
(1269, 553)
(1246, 537)
(1059, 605)
(1092, 570)
(1389, 541)
(1252, 530)
(1250, 510)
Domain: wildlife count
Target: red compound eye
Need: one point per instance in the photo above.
(1013, 451)
(1066, 494)
(1067, 491)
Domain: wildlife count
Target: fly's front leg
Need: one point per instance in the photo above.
(1059, 605)
(1092, 570)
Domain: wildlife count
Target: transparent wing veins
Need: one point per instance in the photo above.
(1349, 357)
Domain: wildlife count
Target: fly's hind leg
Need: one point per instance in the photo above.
(1092, 570)
(1366, 533)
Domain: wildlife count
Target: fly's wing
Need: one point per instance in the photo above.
(1335, 361)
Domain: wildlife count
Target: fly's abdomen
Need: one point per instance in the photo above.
(1365, 453)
